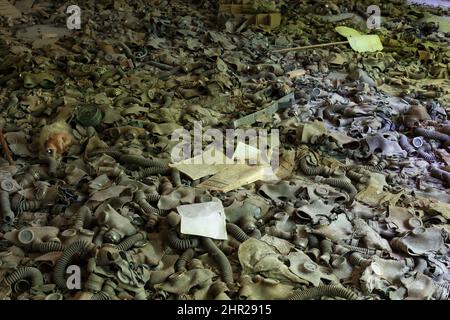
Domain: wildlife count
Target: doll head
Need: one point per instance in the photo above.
(57, 144)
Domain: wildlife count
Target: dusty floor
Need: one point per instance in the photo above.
(94, 206)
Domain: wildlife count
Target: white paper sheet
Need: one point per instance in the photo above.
(205, 219)
(205, 164)
(254, 155)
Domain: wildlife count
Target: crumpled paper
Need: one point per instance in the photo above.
(205, 219)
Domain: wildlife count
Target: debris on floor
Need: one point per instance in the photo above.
(254, 149)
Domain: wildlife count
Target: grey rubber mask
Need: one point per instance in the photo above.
(385, 145)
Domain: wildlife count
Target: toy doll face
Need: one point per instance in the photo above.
(57, 144)
(50, 149)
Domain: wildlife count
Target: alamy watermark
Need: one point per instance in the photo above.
(374, 20)
(74, 20)
(73, 281)
(253, 146)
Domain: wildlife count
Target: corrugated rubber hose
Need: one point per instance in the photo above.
(49, 246)
(341, 184)
(150, 171)
(364, 251)
(183, 260)
(80, 247)
(180, 244)
(140, 199)
(378, 168)
(444, 138)
(313, 170)
(221, 259)
(25, 272)
(426, 155)
(6, 212)
(83, 215)
(128, 242)
(112, 153)
(237, 232)
(100, 296)
(28, 205)
(440, 174)
(324, 290)
(153, 197)
(141, 161)
(404, 143)
(356, 176)
(176, 178)
(128, 159)
(356, 259)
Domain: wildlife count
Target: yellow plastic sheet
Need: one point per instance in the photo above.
(365, 43)
(360, 42)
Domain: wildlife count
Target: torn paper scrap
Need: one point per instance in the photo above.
(236, 176)
(205, 219)
(208, 163)
(196, 171)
